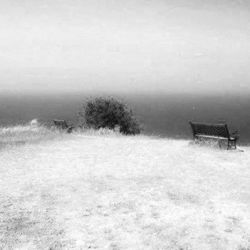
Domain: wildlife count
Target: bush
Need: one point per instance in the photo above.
(109, 113)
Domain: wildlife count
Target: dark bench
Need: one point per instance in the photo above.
(62, 125)
(218, 132)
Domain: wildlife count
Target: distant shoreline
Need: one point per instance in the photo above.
(161, 115)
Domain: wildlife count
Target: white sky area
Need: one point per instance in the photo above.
(194, 46)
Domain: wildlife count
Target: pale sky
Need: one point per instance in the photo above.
(138, 46)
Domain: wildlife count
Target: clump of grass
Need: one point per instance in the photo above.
(22, 134)
(34, 132)
(97, 132)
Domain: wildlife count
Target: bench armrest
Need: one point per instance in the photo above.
(235, 134)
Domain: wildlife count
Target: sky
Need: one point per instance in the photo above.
(152, 46)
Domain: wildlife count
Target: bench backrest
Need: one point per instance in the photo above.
(62, 124)
(218, 130)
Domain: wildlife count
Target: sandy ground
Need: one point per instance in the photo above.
(97, 192)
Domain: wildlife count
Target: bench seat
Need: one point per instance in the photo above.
(215, 137)
(214, 131)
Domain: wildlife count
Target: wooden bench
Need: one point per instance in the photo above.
(62, 125)
(218, 132)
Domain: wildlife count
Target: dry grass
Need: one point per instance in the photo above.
(22, 134)
(90, 191)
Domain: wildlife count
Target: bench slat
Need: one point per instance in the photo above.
(62, 124)
(220, 130)
(211, 136)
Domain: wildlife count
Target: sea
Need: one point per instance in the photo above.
(163, 115)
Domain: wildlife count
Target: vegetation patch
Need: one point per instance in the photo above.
(111, 114)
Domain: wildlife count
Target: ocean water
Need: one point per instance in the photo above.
(160, 115)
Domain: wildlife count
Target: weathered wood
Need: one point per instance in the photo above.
(214, 131)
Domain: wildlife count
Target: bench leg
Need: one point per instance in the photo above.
(196, 140)
(231, 145)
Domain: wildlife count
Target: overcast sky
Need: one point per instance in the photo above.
(125, 45)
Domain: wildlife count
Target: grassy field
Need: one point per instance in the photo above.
(107, 191)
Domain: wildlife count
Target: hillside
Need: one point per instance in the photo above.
(83, 191)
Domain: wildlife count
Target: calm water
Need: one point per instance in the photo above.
(163, 115)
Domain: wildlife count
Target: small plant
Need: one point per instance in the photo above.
(109, 113)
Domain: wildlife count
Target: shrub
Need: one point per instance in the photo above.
(109, 113)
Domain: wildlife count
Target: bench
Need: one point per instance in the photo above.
(218, 132)
(62, 125)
